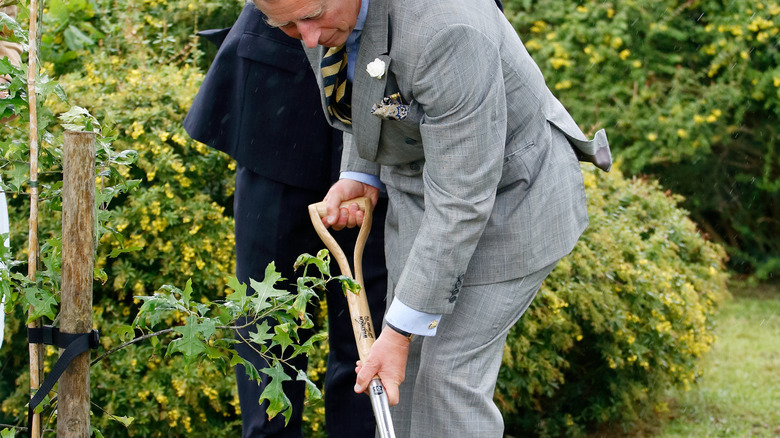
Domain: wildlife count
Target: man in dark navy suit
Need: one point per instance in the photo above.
(259, 103)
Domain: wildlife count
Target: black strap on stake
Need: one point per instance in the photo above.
(73, 343)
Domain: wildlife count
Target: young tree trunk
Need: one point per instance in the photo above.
(35, 350)
(78, 230)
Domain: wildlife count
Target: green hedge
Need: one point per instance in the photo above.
(623, 317)
(689, 92)
(620, 319)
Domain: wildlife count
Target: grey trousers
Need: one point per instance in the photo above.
(451, 377)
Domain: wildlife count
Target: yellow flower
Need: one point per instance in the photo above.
(617, 42)
(538, 26)
(698, 118)
(137, 130)
(663, 327)
(637, 63)
(625, 53)
(179, 139)
(559, 62)
(652, 136)
(562, 85)
(582, 9)
(533, 45)
(682, 133)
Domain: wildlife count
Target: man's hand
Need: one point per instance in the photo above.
(344, 190)
(387, 359)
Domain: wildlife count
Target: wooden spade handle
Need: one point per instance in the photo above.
(362, 325)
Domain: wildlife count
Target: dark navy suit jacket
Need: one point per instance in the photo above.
(239, 109)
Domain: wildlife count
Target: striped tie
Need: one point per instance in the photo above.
(337, 89)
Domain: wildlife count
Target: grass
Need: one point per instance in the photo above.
(739, 393)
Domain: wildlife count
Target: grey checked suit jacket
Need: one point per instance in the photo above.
(482, 176)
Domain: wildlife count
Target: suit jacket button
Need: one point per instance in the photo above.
(409, 140)
(453, 298)
(414, 166)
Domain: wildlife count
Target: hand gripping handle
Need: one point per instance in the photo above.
(362, 325)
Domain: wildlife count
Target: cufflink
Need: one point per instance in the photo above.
(433, 324)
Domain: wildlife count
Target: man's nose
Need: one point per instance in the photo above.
(310, 33)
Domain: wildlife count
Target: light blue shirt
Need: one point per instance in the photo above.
(399, 315)
(353, 41)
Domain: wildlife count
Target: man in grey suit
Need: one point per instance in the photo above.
(451, 116)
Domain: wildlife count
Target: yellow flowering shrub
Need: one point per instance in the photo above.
(688, 91)
(623, 317)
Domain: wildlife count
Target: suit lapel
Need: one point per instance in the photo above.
(366, 90)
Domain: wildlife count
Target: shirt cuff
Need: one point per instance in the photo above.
(413, 321)
(365, 178)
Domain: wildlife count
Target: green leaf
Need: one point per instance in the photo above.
(16, 177)
(43, 303)
(312, 392)
(348, 284)
(100, 274)
(321, 262)
(235, 359)
(77, 119)
(124, 332)
(273, 392)
(249, 369)
(282, 336)
(239, 295)
(308, 346)
(262, 335)
(187, 293)
(7, 433)
(266, 292)
(118, 251)
(75, 39)
(193, 337)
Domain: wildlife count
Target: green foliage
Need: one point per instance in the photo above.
(622, 318)
(689, 91)
(627, 314)
(156, 31)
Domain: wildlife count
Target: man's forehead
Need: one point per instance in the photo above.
(281, 12)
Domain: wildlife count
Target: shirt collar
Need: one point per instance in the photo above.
(361, 19)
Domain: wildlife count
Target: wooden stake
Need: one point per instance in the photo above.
(78, 228)
(36, 350)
